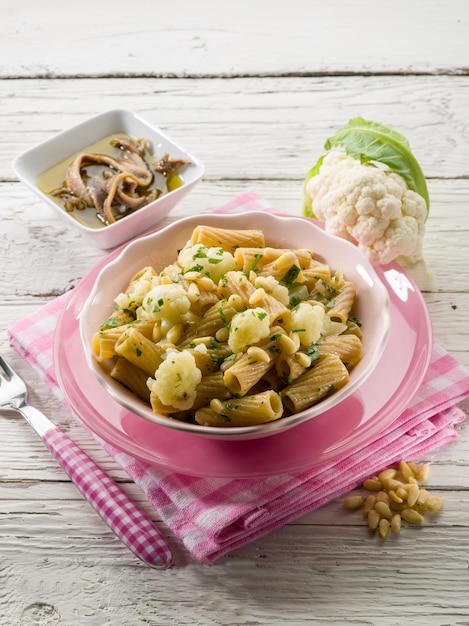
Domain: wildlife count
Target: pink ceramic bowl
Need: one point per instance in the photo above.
(160, 249)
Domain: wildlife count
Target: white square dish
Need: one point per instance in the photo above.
(29, 166)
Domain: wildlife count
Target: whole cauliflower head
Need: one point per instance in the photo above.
(370, 206)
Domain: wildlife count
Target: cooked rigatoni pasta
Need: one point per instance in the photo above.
(139, 350)
(233, 332)
(132, 377)
(328, 374)
(228, 239)
(253, 409)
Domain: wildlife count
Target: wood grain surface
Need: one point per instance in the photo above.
(253, 90)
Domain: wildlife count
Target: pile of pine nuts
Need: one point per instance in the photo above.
(395, 496)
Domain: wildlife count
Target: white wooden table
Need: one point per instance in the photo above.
(253, 89)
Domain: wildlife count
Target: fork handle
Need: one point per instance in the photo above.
(114, 506)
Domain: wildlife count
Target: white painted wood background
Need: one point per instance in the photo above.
(253, 89)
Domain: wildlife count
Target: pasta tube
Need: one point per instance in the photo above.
(131, 377)
(327, 375)
(259, 408)
(103, 342)
(342, 303)
(139, 350)
(347, 347)
(228, 239)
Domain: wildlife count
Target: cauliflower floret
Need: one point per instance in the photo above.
(248, 327)
(137, 289)
(165, 302)
(176, 380)
(370, 206)
(307, 321)
(212, 262)
(272, 286)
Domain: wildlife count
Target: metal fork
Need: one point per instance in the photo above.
(114, 506)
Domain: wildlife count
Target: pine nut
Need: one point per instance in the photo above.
(286, 260)
(222, 334)
(393, 496)
(168, 346)
(191, 275)
(353, 503)
(392, 483)
(217, 405)
(257, 296)
(258, 354)
(174, 334)
(236, 301)
(206, 341)
(206, 283)
(405, 471)
(369, 504)
(386, 474)
(382, 508)
(157, 333)
(303, 359)
(382, 496)
(434, 504)
(402, 493)
(423, 497)
(423, 473)
(373, 484)
(397, 506)
(412, 495)
(396, 523)
(373, 519)
(193, 292)
(287, 344)
(412, 516)
(383, 528)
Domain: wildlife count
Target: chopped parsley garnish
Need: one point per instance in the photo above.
(313, 352)
(232, 357)
(223, 318)
(111, 322)
(257, 258)
(328, 287)
(195, 268)
(289, 277)
(355, 320)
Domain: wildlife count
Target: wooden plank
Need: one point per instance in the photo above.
(244, 38)
(30, 227)
(282, 122)
(87, 577)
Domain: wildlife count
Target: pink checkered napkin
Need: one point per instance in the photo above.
(213, 516)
